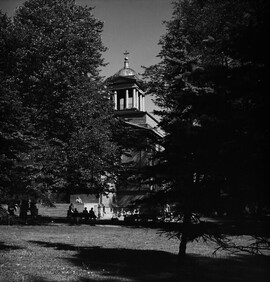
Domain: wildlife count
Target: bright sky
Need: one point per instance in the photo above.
(132, 25)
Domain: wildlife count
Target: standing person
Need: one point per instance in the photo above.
(24, 209)
(33, 209)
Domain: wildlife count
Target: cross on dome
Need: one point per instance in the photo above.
(126, 53)
(126, 71)
(126, 59)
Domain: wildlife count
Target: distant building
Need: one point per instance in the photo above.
(101, 204)
(128, 96)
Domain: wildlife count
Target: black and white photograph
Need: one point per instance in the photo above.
(133, 140)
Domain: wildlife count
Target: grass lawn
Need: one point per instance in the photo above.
(61, 252)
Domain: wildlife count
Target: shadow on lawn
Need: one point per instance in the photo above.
(151, 265)
(4, 247)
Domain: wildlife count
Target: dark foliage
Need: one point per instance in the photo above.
(211, 85)
(56, 118)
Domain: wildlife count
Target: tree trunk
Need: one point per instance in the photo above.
(184, 235)
(183, 245)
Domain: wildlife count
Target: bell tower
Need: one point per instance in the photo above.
(126, 90)
(128, 96)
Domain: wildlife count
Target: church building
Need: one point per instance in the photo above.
(128, 96)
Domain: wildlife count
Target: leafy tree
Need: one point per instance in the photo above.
(211, 87)
(52, 59)
(14, 118)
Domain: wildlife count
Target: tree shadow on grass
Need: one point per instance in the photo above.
(151, 265)
(36, 279)
(4, 247)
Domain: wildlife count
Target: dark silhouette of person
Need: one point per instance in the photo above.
(11, 208)
(70, 210)
(33, 209)
(85, 214)
(24, 209)
(76, 215)
(92, 214)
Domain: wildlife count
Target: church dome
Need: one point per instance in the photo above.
(126, 72)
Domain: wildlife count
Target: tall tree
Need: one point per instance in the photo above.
(211, 87)
(54, 65)
(14, 117)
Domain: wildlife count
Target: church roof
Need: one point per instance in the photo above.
(126, 72)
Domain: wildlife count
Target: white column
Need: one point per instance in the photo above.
(134, 98)
(127, 99)
(137, 100)
(140, 102)
(115, 100)
(143, 103)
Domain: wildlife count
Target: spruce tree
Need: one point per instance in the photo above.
(211, 88)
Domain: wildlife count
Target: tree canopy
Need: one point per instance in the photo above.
(57, 119)
(211, 85)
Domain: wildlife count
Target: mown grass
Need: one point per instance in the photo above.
(60, 252)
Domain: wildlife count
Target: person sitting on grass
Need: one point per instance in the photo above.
(92, 214)
(70, 210)
(76, 215)
(85, 214)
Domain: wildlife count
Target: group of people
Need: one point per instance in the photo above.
(23, 208)
(73, 212)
